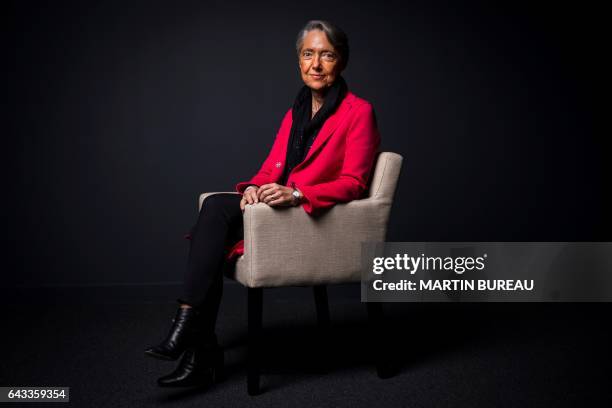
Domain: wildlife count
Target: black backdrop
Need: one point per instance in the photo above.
(120, 114)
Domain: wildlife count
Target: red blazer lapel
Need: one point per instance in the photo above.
(328, 128)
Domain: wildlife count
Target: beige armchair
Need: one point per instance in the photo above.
(287, 247)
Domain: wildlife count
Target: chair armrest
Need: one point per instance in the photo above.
(286, 246)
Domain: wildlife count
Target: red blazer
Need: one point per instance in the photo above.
(337, 167)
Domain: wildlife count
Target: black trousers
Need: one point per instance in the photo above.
(219, 226)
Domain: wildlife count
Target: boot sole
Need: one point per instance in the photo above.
(205, 382)
(183, 385)
(161, 356)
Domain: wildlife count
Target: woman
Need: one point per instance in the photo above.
(323, 155)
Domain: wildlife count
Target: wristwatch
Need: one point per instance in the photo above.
(296, 196)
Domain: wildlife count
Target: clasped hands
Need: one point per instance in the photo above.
(273, 194)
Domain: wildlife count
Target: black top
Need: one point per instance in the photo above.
(304, 130)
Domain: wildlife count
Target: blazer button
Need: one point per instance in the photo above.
(278, 164)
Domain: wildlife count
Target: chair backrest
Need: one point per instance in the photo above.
(386, 174)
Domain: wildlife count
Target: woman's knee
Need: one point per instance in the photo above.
(220, 203)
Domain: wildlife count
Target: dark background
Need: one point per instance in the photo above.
(120, 114)
(117, 115)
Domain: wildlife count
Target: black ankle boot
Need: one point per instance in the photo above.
(200, 367)
(186, 332)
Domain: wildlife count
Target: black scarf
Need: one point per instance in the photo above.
(304, 130)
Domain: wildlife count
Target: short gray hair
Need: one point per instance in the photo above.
(334, 34)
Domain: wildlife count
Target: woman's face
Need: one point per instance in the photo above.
(319, 61)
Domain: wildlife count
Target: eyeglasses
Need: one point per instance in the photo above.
(327, 56)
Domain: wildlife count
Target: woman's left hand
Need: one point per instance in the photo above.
(275, 195)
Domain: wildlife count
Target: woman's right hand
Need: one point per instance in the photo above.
(249, 197)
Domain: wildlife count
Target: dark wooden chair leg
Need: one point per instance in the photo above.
(255, 308)
(323, 327)
(322, 305)
(378, 339)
